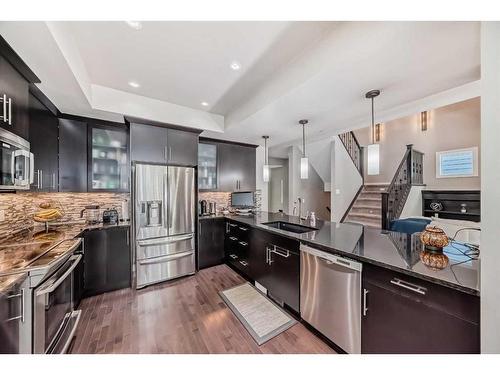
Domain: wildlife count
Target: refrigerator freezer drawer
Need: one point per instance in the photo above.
(157, 247)
(154, 270)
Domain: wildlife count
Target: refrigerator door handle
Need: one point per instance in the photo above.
(161, 241)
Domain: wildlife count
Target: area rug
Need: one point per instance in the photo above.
(258, 314)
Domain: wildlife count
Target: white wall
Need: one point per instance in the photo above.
(259, 182)
(311, 190)
(413, 204)
(490, 193)
(346, 180)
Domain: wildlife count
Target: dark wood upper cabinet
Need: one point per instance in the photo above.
(158, 144)
(236, 169)
(108, 157)
(182, 147)
(148, 143)
(44, 144)
(72, 155)
(14, 100)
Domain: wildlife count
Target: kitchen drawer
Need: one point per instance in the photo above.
(164, 246)
(150, 271)
(450, 301)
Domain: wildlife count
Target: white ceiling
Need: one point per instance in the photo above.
(185, 63)
(290, 70)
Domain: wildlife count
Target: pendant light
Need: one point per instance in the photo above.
(265, 170)
(304, 162)
(374, 147)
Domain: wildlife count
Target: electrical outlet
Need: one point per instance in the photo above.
(2, 215)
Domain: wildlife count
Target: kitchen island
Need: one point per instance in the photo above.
(403, 302)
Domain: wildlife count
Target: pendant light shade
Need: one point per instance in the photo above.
(304, 161)
(373, 156)
(265, 170)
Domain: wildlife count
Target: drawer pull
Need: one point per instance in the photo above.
(243, 243)
(243, 229)
(243, 263)
(233, 238)
(233, 256)
(365, 307)
(232, 225)
(409, 286)
(281, 252)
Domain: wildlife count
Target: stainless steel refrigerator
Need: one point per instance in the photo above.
(164, 222)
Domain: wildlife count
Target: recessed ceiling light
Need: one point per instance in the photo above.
(204, 104)
(235, 65)
(134, 84)
(134, 24)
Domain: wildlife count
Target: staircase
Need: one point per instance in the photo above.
(367, 207)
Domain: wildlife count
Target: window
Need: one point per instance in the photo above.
(457, 163)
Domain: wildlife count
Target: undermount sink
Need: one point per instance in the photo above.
(289, 227)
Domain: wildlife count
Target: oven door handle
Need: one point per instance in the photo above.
(49, 289)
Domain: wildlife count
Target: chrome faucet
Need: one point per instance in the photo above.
(301, 200)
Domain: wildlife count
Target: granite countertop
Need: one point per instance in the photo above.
(29, 249)
(392, 250)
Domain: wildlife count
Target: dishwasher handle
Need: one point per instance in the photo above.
(332, 259)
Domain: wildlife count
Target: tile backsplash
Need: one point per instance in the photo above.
(223, 199)
(19, 208)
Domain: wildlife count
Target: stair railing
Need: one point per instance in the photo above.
(410, 172)
(355, 152)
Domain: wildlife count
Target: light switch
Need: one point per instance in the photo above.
(337, 191)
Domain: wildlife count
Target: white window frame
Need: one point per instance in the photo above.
(475, 162)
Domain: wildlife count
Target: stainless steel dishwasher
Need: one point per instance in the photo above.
(330, 296)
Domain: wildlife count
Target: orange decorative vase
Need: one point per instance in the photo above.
(434, 238)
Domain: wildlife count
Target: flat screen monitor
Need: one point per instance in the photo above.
(242, 199)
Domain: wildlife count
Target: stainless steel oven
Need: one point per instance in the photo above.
(16, 162)
(55, 321)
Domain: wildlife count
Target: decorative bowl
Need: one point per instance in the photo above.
(434, 259)
(434, 238)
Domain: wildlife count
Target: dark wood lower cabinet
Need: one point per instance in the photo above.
(107, 263)
(210, 242)
(401, 321)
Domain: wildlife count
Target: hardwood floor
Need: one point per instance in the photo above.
(183, 316)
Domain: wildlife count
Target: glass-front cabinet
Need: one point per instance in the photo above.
(108, 168)
(207, 166)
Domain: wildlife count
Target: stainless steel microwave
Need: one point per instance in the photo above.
(16, 162)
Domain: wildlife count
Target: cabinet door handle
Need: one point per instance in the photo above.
(233, 256)
(233, 225)
(233, 238)
(38, 178)
(165, 153)
(409, 286)
(365, 307)
(243, 243)
(227, 227)
(53, 181)
(41, 179)
(169, 153)
(243, 229)
(243, 263)
(4, 112)
(10, 118)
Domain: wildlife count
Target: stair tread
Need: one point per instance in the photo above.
(362, 214)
